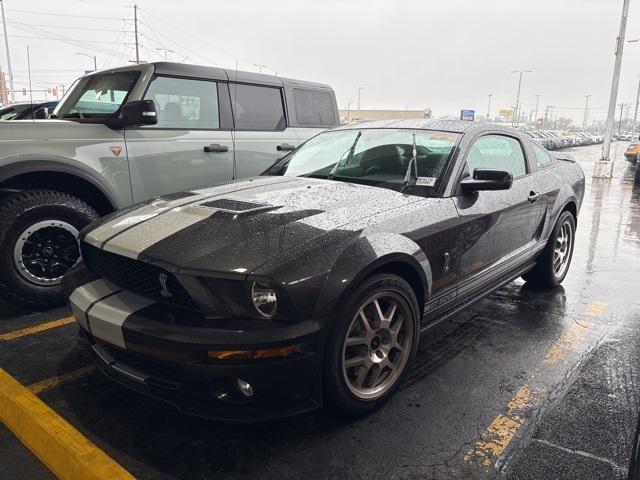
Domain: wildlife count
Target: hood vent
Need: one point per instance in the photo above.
(235, 206)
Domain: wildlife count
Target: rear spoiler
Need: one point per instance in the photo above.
(564, 156)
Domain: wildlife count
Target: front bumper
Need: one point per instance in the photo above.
(163, 352)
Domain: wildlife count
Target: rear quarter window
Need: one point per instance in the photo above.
(541, 156)
(313, 107)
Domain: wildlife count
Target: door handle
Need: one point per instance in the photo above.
(285, 147)
(216, 148)
(533, 197)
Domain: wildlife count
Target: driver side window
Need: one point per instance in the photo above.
(497, 152)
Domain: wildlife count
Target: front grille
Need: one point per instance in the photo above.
(137, 277)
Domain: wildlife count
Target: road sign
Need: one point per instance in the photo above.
(468, 115)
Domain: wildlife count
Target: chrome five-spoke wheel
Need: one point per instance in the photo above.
(378, 345)
(562, 249)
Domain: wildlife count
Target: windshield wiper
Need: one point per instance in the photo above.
(411, 168)
(351, 149)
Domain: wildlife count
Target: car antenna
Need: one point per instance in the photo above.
(333, 171)
(411, 167)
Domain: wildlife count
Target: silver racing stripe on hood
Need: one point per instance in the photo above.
(102, 234)
(132, 242)
(107, 316)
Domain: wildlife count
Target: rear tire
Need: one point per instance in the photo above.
(372, 343)
(38, 244)
(553, 263)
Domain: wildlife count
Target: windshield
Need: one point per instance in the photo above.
(377, 157)
(98, 95)
(10, 113)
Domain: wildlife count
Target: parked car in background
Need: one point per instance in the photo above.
(25, 111)
(312, 283)
(124, 135)
(632, 152)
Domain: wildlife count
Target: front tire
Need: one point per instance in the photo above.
(553, 264)
(38, 244)
(371, 345)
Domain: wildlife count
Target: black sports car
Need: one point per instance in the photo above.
(309, 284)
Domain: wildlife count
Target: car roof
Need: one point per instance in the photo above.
(214, 73)
(454, 126)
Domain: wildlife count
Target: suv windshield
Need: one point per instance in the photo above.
(98, 95)
(377, 157)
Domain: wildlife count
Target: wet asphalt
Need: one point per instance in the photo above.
(523, 385)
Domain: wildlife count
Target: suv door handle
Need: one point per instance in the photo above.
(533, 196)
(216, 148)
(285, 147)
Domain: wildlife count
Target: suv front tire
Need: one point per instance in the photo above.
(38, 244)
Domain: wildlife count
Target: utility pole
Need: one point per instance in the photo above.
(586, 112)
(546, 115)
(517, 118)
(359, 90)
(635, 112)
(29, 70)
(135, 30)
(603, 168)
(260, 67)
(166, 51)
(489, 107)
(6, 47)
(620, 121)
(535, 119)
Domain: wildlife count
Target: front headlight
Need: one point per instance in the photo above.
(264, 299)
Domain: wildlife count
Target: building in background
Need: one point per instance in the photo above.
(348, 116)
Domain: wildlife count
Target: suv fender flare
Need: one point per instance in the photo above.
(12, 170)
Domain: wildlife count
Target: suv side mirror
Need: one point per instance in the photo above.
(139, 112)
(487, 179)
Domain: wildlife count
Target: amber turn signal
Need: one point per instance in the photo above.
(251, 354)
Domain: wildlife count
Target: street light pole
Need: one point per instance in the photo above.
(586, 112)
(93, 57)
(359, 91)
(535, 119)
(489, 106)
(635, 112)
(517, 118)
(135, 30)
(603, 168)
(6, 47)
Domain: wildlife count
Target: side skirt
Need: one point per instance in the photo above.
(479, 295)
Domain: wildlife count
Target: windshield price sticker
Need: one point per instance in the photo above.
(426, 181)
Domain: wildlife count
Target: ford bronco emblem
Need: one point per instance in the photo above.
(162, 278)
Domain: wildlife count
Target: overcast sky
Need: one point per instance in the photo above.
(438, 54)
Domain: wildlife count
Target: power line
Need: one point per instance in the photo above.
(62, 14)
(54, 38)
(63, 26)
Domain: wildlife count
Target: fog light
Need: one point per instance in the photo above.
(245, 388)
(264, 299)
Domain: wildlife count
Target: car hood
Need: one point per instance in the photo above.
(237, 227)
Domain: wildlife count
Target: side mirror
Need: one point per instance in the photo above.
(140, 112)
(487, 179)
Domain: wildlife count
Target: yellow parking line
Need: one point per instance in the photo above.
(59, 446)
(37, 328)
(568, 341)
(498, 435)
(44, 385)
